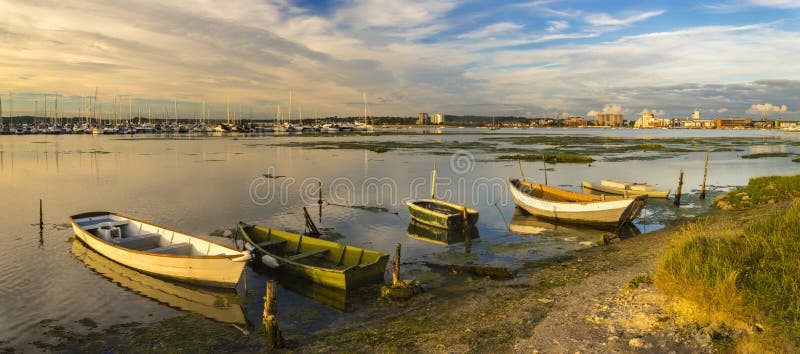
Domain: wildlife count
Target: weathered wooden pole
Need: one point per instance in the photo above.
(433, 182)
(396, 267)
(319, 193)
(705, 174)
(466, 230)
(269, 322)
(678, 192)
(521, 174)
(41, 217)
(544, 163)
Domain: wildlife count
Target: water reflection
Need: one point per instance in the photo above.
(525, 224)
(437, 235)
(215, 304)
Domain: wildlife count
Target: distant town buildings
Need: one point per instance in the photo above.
(696, 114)
(575, 122)
(438, 118)
(609, 119)
(423, 118)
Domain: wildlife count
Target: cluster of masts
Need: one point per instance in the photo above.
(92, 118)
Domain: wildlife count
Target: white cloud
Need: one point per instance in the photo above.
(721, 110)
(602, 19)
(655, 112)
(557, 26)
(492, 30)
(782, 4)
(607, 109)
(766, 108)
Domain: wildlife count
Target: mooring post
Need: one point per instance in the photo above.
(705, 174)
(319, 193)
(466, 230)
(41, 218)
(396, 268)
(678, 192)
(269, 322)
(544, 163)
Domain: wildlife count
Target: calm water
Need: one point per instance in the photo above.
(204, 185)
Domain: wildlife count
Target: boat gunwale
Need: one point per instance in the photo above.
(511, 181)
(287, 260)
(101, 213)
(413, 203)
(601, 188)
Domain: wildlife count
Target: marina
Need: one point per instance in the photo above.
(272, 184)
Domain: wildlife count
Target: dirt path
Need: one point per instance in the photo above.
(579, 303)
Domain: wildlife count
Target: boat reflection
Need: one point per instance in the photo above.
(215, 304)
(437, 235)
(526, 224)
(331, 297)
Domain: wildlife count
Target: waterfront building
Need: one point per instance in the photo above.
(438, 118)
(575, 122)
(423, 118)
(732, 123)
(609, 119)
(696, 114)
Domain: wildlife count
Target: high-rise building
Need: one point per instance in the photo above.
(696, 114)
(437, 118)
(423, 119)
(609, 119)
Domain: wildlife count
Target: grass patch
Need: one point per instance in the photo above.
(638, 280)
(761, 190)
(796, 160)
(740, 277)
(652, 147)
(765, 154)
(549, 158)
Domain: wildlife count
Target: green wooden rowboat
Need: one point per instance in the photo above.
(439, 235)
(440, 214)
(323, 262)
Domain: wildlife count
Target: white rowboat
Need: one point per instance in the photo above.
(160, 251)
(559, 204)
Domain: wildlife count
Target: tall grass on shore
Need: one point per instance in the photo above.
(740, 275)
(760, 190)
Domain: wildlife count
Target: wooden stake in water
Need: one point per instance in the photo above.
(705, 174)
(433, 182)
(544, 163)
(41, 218)
(396, 268)
(269, 324)
(466, 230)
(678, 192)
(522, 174)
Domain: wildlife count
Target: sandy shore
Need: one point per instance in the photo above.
(582, 302)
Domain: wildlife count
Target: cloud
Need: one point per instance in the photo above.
(721, 110)
(766, 108)
(607, 109)
(781, 4)
(492, 30)
(655, 112)
(557, 26)
(603, 19)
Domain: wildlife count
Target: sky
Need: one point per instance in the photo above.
(524, 58)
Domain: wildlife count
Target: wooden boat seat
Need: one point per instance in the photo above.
(140, 242)
(309, 254)
(96, 224)
(171, 249)
(266, 244)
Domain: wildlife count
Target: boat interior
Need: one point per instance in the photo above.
(140, 236)
(309, 250)
(560, 195)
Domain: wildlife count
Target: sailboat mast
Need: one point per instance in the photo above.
(290, 106)
(365, 108)
(228, 110)
(203, 119)
(176, 111)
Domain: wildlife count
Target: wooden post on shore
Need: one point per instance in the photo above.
(396, 267)
(544, 163)
(466, 230)
(678, 192)
(41, 217)
(522, 174)
(705, 174)
(319, 201)
(433, 182)
(269, 322)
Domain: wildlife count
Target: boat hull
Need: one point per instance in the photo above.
(345, 267)
(218, 271)
(591, 212)
(621, 191)
(440, 214)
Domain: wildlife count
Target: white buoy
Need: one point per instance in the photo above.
(270, 261)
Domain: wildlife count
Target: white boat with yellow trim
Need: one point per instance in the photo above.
(160, 251)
